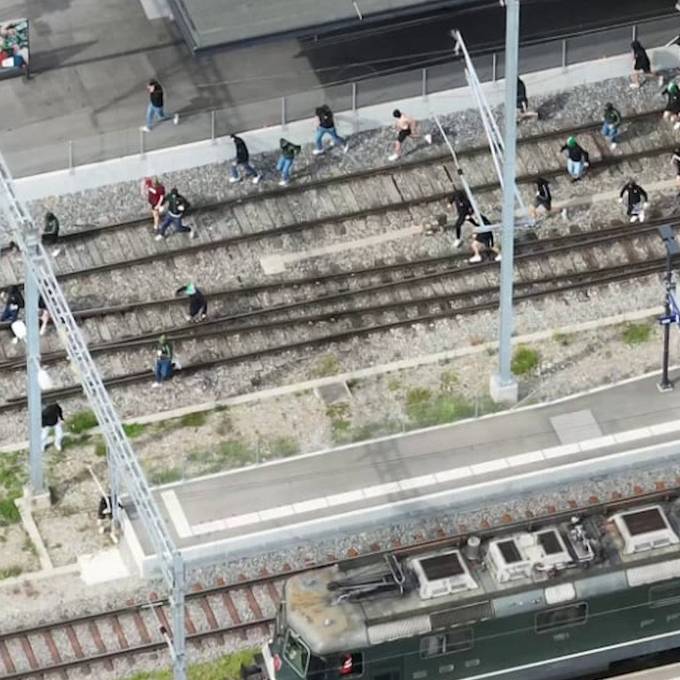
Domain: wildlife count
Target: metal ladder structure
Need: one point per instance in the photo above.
(125, 473)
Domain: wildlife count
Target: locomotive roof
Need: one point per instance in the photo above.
(629, 548)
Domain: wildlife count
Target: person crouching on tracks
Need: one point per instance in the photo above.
(637, 200)
(163, 367)
(483, 243)
(577, 159)
(198, 305)
(154, 192)
(610, 124)
(542, 200)
(671, 111)
(177, 207)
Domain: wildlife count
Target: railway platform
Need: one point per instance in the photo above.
(463, 464)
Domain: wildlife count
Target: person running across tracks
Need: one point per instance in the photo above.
(542, 199)
(50, 234)
(198, 305)
(671, 111)
(642, 66)
(14, 303)
(154, 192)
(577, 159)
(177, 208)
(156, 106)
(242, 162)
(465, 213)
(285, 163)
(611, 122)
(326, 126)
(483, 243)
(52, 418)
(637, 200)
(406, 127)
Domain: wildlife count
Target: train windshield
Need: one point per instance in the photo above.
(296, 653)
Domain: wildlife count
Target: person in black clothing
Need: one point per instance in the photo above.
(156, 109)
(482, 243)
(675, 159)
(577, 159)
(542, 199)
(286, 159)
(177, 207)
(242, 160)
(198, 305)
(14, 303)
(51, 232)
(326, 126)
(671, 111)
(523, 102)
(641, 65)
(465, 212)
(52, 417)
(637, 200)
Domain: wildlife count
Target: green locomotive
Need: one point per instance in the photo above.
(544, 603)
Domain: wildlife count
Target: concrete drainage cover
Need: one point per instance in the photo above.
(334, 392)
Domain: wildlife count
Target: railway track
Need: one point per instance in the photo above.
(242, 612)
(314, 312)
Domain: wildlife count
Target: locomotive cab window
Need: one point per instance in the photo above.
(562, 617)
(296, 653)
(458, 640)
(351, 665)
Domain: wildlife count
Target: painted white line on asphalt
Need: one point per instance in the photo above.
(525, 458)
(562, 450)
(489, 466)
(309, 506)
(381, 489)
(179, 519)
(417, 482)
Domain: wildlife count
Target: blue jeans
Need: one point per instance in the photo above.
(284, 166)
(155, 112)
(10, 315)
(611, 132)
(247, 168)
(163, 370)
(176, 223)
(575, 168)
(322, 131)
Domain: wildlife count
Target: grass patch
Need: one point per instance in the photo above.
(636, 334)
(13, 476)
(339, 415)
(10, 572)
(235, 452)
(9, 513)
(524, 360)
(326, 366)
(100, 448)
(448, 381)
(134, 430)
(167, 476)
(226, 668)
(193, 419)
(225, 426)
(394, 385)
(563, 339)
(81, 421)
(374, 430)
(425, 409)
(283, 447)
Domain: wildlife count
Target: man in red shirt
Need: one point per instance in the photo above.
(154, 193)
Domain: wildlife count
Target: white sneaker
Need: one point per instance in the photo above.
(393, 157)
(497, 258)
(145, 128)
(613, 146)
(633, 219)
(457, 243)
(233, 180)
(256, 179)
(565, 214)
(677, 126)
(661, 81)
(155, 384)
(475, 258)
(345, 148)
(428, 139)
(15, 341)
(192, 233)
(175, 119)
(56, 252)
(634, 86)
(283, 183)
(159, 237)
(642, 216)
(317, 152)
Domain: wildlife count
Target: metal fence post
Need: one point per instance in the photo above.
(70, 155)
(564, 53)
(283, 112)
(212, 126)
(141, 143)
(634, 31)
(494, 67)
(354, 97)
(424, 88)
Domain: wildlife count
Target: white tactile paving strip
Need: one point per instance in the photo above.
(420, 482)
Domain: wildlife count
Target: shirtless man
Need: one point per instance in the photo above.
(406, 127)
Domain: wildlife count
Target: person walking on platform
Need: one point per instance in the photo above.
(542, 200)
(177, 208)
(638, 200)
(611, 121)
(465, 212)
(577, 159)
(522, 102)
(156, 106)
(14, 303)
(285, 164)
(326, 126)
(163, 367)
(52, 418)
(642, 66)
(242, 161)
(50, 233)
(671, 111)
(483, 243)
(154, 192)
(198, 305)
(406, 127)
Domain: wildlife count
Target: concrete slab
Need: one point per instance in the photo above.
(102, 567)
(575, 426)
(333, 392)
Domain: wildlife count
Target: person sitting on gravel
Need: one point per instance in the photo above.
(637, 200)
(577, 159)
(483, 243)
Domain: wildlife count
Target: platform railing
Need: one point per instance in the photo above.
(352, 96)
